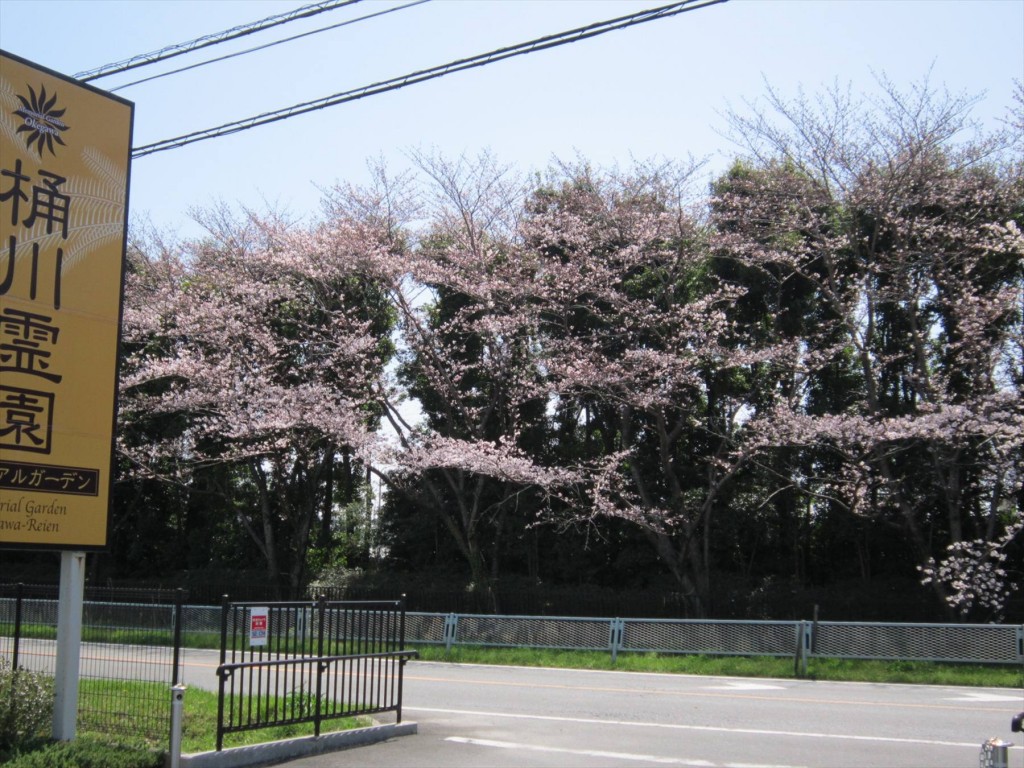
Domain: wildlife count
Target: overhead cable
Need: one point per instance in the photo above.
(234, 33)
(539, 44)
(268, 45)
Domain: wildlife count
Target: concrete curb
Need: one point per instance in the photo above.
(276, 751)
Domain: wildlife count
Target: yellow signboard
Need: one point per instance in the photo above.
(64, 166)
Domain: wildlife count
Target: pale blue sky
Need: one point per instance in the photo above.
(655, 90)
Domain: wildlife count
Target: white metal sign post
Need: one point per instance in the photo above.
(69, 640)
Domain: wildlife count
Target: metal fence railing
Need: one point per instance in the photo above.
(964, 643)
(802, 640)
(310, 662)
(724, 638)
(136, 641)
(970, 643)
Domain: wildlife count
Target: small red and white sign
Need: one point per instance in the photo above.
(258, 624)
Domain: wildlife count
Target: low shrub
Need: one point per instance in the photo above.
(88, 753)
(26, 706)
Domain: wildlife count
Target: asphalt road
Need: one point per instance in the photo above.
(485, 716)
(492, 717)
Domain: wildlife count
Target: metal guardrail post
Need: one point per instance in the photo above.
(810, 643)
(803, 648)
(814, 632)
(451, 631)
(1020, 644)
(798, 647)
(616, 629)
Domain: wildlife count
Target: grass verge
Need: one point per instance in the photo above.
(199, 729)
(123, 725)
(143, 711)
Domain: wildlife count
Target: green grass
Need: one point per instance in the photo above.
(136, 709)
(917, 672)
(199, 726)
(161, 637)
(115, 635)
(139, 736)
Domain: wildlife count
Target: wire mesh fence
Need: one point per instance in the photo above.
(129, 655)
(971, 643)
(533, 632)
(802, 640)
(723, 638)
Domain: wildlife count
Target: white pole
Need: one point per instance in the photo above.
(69, 642)
(177, 717)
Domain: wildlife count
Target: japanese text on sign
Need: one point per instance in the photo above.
(63, 192)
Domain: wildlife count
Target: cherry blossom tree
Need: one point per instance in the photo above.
(642, 356)
(973, 575)
(909, 238)
(467, 356)
(834, 334)
(262, 347)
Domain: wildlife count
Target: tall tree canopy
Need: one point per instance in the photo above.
(265, 343)
(820, 362)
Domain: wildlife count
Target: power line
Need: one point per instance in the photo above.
(269, 45)
(242, 30)
(539, 44)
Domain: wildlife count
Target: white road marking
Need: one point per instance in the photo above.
(705, 728)
(612, 755)
(984, 697)
(741, 686)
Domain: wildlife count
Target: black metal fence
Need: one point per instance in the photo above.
(129, 657)
(308, 662)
